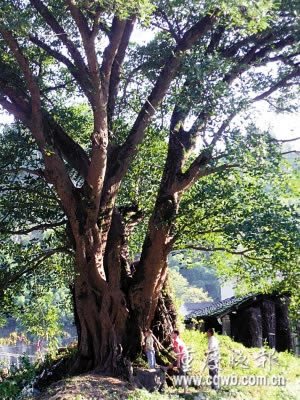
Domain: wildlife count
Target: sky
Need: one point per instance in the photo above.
(283, 126)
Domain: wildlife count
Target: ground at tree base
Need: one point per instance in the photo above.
(88, 386)
(97, 387)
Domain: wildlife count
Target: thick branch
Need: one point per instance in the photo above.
(57, 87)
(278, 85)
(233, 49)
(20, 108)
(158, 92)
(34, 228)
(13, 109)
(52, 52)
(96, 24)
(171, 29)
(242, 253)
(113, 49)
(212, 249)
(285, 59)
(225, 124)
(285, 140)
(197, 170)
(32, 266)
(201, 120)
(117, 67)
(180, 114)
(36, 118)
(256, 54)
(291, 152)
(61, 34)
(74, 154)
(215, 40)
(79, 19)
(97, 169)
(81, 79)
(55, 171)
(90, 51)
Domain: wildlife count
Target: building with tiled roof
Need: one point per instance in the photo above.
(252, 320)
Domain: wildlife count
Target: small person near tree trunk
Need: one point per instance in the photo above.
(149, 348)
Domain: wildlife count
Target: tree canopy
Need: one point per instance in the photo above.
(120, 148)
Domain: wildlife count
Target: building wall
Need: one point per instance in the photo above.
(246, 326)
(263, 319)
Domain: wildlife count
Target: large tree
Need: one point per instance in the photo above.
(205, 67)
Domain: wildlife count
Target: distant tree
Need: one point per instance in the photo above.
(183, 292)
(191, 266)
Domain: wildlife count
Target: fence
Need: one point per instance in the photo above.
(10, 355)
(13, 359)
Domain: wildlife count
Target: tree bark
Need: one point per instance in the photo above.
(100, 307)
(151, 274)
(165, 317)
(109, 326)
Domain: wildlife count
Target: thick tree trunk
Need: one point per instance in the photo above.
(151, 273)
(165, 317)
(101, 318)
(109, 328)
(100, 307)
(164, 322)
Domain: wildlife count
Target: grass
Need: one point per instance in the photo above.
(240, 361)
(236, 360)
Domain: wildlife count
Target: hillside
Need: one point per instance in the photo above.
(237, 361)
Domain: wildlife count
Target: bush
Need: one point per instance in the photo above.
(16, 379)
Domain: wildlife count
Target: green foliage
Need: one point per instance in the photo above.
(77, 120)
(29, 265)
(40, 311)
(142, 394)
(36, 201)
(13, 338)
(39, 299)
(243, 220)
(183, 292)
(41, 316)
(255, 16)
(17, 379)
(142, 182)
(283, 365)
(252, 232)
(123, 9)
(191, 266)
(250, 15)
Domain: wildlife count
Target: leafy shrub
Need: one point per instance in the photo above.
(16, 379)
